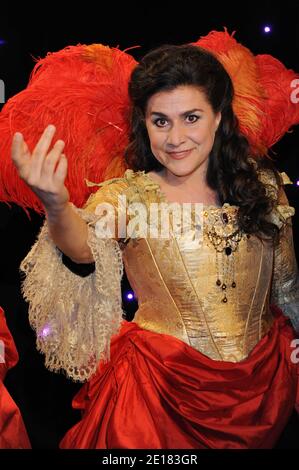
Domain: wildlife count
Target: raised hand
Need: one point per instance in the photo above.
(44, 171)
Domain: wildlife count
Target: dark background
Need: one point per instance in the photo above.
(30, 32)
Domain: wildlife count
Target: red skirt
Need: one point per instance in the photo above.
(13, 434)
(158, 392)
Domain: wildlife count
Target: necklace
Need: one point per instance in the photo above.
(221, 229)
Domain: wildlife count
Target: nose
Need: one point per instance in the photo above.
(176, 135)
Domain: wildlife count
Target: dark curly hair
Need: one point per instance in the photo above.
(231, 172)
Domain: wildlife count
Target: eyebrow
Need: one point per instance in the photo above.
(156, 113)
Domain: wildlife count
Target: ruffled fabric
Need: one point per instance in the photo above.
(280, 215)
(74, 317)
(285, 282)
(158, 392)
(281, 212)
(13, 434)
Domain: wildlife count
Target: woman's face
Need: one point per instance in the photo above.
(181, 125)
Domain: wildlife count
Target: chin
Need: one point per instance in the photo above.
(183, 170)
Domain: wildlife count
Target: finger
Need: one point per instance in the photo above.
(17, 149)
(41, 149)
(61, 169)
(49, 163)
(26, 151)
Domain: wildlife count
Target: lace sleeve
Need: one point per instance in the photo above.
(285, 282)
(74, 317)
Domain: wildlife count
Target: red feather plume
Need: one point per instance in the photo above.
(83, 91)
(263, 90)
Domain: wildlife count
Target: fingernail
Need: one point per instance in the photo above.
(18, 136)
(51, 128)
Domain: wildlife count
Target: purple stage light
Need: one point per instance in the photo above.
(267, 29)
(130, 296)
(45, 332)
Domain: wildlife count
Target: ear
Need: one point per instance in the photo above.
(217, 120)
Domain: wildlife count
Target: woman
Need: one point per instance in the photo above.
(207, 361)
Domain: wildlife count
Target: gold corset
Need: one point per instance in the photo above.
(177, 294)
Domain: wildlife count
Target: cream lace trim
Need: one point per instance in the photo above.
(74, 317)
(280, 212)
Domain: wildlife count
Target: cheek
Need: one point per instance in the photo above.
(156, 140)
(198, 135)
(203, 137)
(208, 133)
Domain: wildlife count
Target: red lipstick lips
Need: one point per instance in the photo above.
(179, 155)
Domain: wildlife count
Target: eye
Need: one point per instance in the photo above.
(160, 122)
(192, 118)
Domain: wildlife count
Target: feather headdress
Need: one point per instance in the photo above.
(83, 91)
